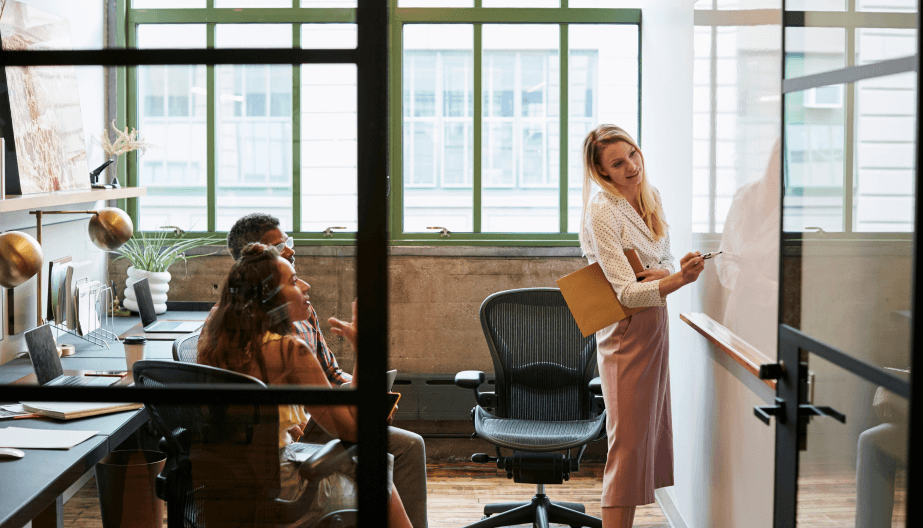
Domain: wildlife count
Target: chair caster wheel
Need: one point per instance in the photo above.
(484, 517)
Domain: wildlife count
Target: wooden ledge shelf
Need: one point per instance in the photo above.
(27, 202)
(727, 341)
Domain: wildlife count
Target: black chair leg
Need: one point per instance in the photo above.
(521, 515)
(560, 514)
(501, 507)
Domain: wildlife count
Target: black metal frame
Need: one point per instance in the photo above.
(794, 345)
(371, 59)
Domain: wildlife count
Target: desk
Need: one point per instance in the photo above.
(33, 487)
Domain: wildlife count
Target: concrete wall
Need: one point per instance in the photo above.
(64, 235)
(435, 294)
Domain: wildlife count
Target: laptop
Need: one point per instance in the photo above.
(149, 319)
(47, 364)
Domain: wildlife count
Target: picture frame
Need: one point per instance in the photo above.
(57, 272)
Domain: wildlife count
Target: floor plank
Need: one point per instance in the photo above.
(457, 493)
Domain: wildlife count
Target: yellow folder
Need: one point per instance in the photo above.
(591, 299)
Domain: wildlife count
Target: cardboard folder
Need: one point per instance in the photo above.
(591, 299)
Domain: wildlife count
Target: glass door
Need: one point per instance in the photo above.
(847, 266)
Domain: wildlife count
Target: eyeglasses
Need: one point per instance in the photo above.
(288, 243)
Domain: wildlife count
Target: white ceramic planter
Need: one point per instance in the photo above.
(159, 283)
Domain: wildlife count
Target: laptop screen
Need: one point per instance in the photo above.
(145, 302)
(44, 354)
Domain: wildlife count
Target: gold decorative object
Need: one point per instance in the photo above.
(20, 258)
(110, 228)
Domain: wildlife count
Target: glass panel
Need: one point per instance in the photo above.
(602, 59)
(328, 147)
(438, 109)
(521, 3)
(167, 4)
(814, 136)
(254, 128)
(521, 88)
(810, 50)
(874, 45)
(624, 4)
(853, 474)
(171, 117)
(253, 3)
(884, 184)
(328, 36)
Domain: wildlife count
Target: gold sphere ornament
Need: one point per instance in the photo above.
(110, 228)
(20, 258)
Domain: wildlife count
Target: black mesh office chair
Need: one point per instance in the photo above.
(543, 402)
(223, 460)
(185, 348)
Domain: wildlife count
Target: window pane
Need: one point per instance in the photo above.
(438, 100)
(885, 130)
(811, 50)
(520, 158)
(435, 3)
(167, 4)
(813, 165)
(602, 60)
(171, 116)
(815, 5)
(328, 147)
(328, 36)
(253, 3)
(253, 128)
(328, 3)
(894, 6)
(874, 45)
(521, 3)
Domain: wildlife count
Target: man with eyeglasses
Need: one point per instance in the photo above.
(408, 448)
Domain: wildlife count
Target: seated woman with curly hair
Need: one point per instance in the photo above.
(250, 333)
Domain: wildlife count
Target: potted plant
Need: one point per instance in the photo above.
(151, 255)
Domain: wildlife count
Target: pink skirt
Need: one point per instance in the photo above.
(633, 357)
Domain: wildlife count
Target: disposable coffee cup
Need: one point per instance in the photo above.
(135, 349)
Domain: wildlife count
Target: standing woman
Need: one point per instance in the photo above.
(633, 354)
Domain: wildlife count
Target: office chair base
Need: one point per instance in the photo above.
(540, 511)
(501, 507)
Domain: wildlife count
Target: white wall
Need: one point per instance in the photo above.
(723, 454)
(65, 235)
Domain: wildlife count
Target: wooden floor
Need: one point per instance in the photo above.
(457, 494)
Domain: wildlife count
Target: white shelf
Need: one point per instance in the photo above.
(25, 202)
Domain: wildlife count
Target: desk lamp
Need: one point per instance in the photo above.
(21, 255)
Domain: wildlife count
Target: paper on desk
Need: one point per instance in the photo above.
(24, 438)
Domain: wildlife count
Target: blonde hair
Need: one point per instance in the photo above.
(593, 145)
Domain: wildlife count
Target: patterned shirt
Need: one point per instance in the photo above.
(310, 333)
(613, 226)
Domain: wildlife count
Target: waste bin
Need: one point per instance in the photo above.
(125, 482)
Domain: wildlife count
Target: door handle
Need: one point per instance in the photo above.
(765, 412)
(812, 410)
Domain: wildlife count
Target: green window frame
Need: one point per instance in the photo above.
(476, 16)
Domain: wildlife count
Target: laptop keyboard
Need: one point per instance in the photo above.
(164, 325)
(84, 381)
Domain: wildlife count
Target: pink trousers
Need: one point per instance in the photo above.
(633, 357)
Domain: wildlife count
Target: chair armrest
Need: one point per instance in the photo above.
(470, 379)
(328, 459)
(596, 386)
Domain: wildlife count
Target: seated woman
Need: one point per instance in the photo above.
(250, 333)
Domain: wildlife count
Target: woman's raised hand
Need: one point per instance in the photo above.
(348, 331)
(692, 265)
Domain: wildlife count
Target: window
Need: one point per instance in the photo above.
(481, 97)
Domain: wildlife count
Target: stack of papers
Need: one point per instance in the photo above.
(23, 438)
(67, 411)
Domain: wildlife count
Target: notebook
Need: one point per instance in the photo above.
(149, 319)
(591, 299)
